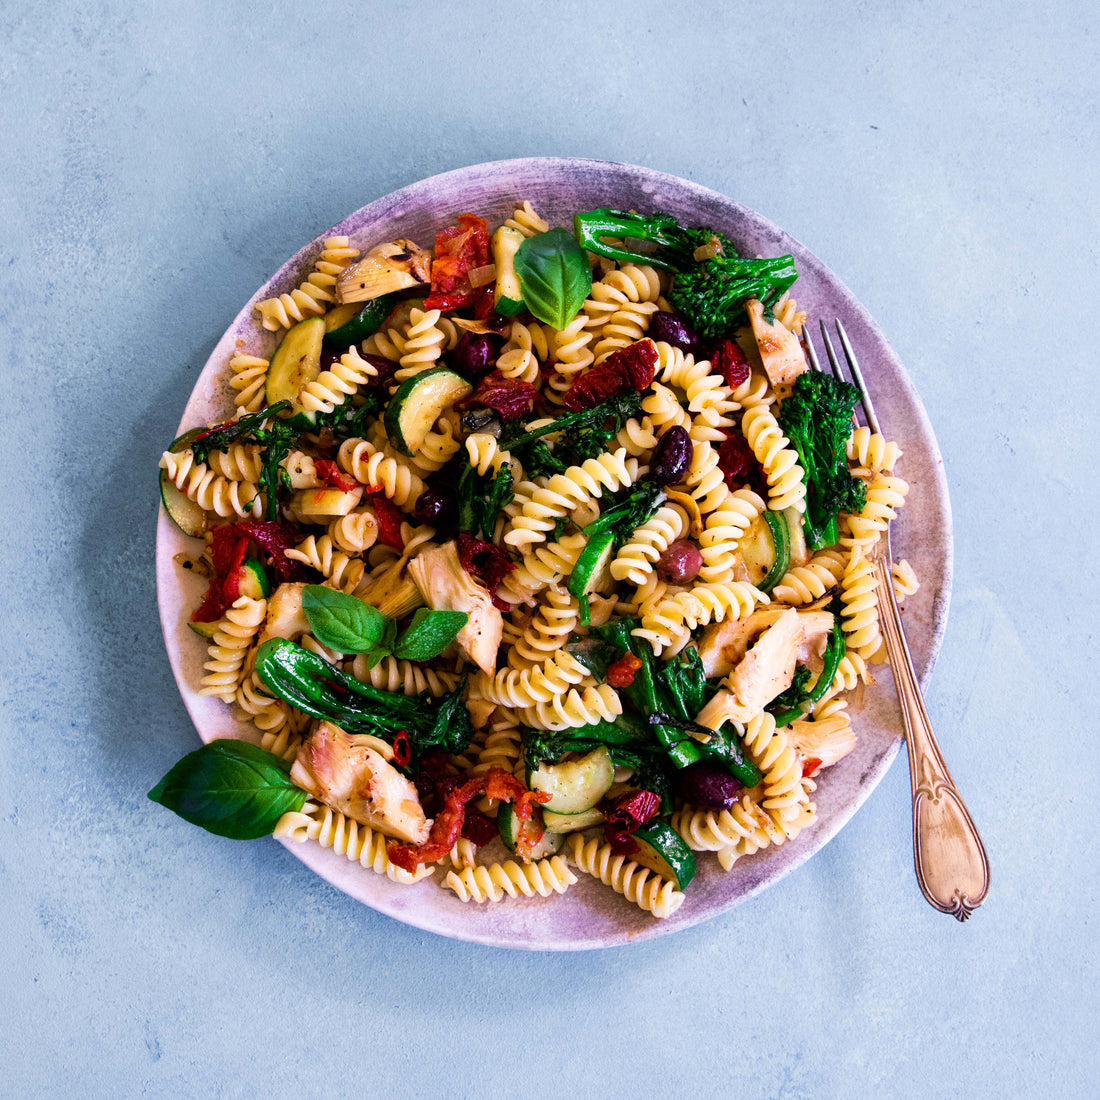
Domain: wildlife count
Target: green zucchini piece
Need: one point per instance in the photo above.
(522, 836)
(591, 570)
(574, 785)
(184, 513)
(796, 534)
(296, 363)
(571, 823)
(204, 630)
(254, 581)
(781, 545)
(507, 295)
(663, 851)
(418, 403)
(353, 322)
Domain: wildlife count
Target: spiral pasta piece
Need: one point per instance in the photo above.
(667, 627)
(340, 570)
(491, 883)
(334, 386)
(389, 343)
(404, 677)
(356, 532)
(703, 389)
(238, 462)
(311, 297)
(269, 715)
(624, 327)
(210, 491)
(771, 751)
(637, 438)
(485, 452)
(437, 449)
(871, 453)
(526, 220)
(564, 492)
(638, 556)
(547, 632)
(859, 611)
(514, 687)
(503, 745)
(577, 708)
(249, 382)
(904, 579)
(346, 837)
(571, 354)
(637, 884)
(374, 468)
(743, 824)
(424, 340)
(885, 495)
(723, 529)
(519, 358)
(806, 583)
(229, 646)
(786, 478)
(543, 566)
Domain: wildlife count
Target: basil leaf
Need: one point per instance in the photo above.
(554, 276)
(230, 788)
(340, 621)
(429, 634)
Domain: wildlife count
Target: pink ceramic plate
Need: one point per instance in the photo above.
(590, 915)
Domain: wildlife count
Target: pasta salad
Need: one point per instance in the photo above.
(535, 552)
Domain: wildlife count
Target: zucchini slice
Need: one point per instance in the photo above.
(418, 403)
(796, 534)
(574, 785)
(781, 551)
(663, 851)
(591, 570)
(204, 630)
(507, 296)
(254, 580)
(184, 513)
(529, 839)
(351, 323)
(296, 363)
(571, 823)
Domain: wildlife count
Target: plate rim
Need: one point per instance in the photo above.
(323, 861)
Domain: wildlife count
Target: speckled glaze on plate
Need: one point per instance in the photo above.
(590, 915)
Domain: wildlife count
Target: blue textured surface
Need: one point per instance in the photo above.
(941, 159)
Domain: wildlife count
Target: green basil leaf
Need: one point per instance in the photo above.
(342, 622)
(554, 275)
(230, 788)
(429, 634)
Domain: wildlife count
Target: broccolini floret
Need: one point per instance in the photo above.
(710, 283)
(817, 419)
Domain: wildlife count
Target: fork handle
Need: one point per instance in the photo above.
(948, 854)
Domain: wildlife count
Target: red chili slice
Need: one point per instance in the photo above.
(402, 749)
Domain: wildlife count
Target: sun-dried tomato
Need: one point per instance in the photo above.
(228, 549)
(276, 539)
(450, 820)
(511, 397)
(486, 563)
(331, 474)
(478, 827)
(458, 249)
(626, 814)
(632, 367)
(389, 518)
(736, 460)
(730, 362)
(620, 673)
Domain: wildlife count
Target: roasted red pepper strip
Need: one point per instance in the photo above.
(626, 814)
(228, 549)
(276, 539)
(389, 518)
(510, 397)
(447, 826)
(331, 474)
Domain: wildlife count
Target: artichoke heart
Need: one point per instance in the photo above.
(394, 265)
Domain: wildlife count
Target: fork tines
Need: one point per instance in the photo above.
(838, 371)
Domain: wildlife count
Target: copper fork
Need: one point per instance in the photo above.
(950, 860)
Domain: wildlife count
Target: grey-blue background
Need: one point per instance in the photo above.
(156, 167)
